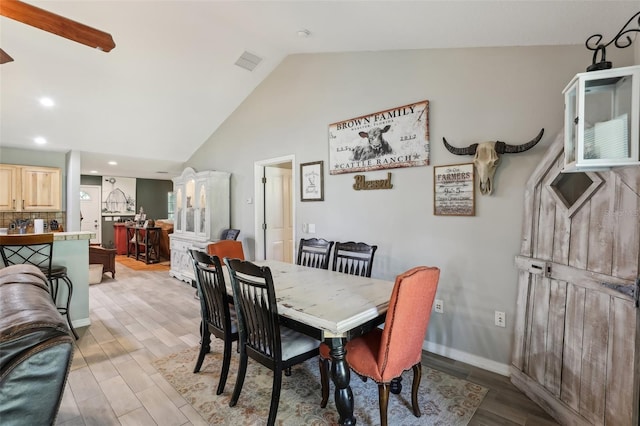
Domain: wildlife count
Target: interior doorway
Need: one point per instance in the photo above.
(275, 209)
(90, 211)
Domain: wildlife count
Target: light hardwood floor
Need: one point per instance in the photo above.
(142, 315)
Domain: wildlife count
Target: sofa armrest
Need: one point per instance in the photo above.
(36, 348)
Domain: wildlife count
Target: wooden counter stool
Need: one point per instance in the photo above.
(37, 250)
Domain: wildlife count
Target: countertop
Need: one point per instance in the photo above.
(78, 235)
(66, 236)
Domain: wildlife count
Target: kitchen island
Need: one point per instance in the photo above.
(71, 249)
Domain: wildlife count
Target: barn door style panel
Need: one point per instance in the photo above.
(577, 330)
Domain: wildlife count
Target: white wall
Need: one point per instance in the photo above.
(475, 95)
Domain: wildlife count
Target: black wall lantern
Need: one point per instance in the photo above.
(621, 40)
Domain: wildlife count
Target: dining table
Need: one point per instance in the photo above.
(333, 307)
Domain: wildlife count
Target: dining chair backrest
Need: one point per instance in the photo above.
(314, 252)
(353, 258)
(407, 320)
(229, 234)
(255, 302)
(212, 291)
(226, 248)
(33, 249)
(262, 337)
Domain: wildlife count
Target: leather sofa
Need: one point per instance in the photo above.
(165, 245)
(36, 349)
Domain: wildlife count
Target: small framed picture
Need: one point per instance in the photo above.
(312, 181)
(453, 190)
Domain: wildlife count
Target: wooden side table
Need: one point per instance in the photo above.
(144, 243)
(104, 256)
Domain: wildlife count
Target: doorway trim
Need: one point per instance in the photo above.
(98, 188)
(258, 173)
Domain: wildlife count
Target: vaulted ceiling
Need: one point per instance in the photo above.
(172, 80)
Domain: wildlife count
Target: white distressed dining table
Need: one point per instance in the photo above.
(330, 306)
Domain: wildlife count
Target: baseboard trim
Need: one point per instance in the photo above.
(83, 322)
(476, 361)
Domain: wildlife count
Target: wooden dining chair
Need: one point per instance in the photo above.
(218, 318)
(383, 354)
(353, 258)
(226, 248)
(314, 252)
(229, 234)
(262, 337)
(37, 250)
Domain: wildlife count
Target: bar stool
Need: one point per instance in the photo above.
(37, 250)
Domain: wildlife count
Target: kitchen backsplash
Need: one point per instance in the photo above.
(6, 218)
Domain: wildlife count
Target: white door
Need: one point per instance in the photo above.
(91, 215)
(277, 212)
(280, 209)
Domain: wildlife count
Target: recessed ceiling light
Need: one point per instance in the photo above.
(40, 140)
(47, 102)
(304, 33)
(113, 163)
(93, 171)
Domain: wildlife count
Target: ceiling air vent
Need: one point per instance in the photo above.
(248, 61)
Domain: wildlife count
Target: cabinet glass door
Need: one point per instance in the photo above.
(202, 210)
(179, 210)
(190, 191)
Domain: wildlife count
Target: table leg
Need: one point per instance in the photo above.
(341, 376)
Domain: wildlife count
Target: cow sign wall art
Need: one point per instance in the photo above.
(397, 137)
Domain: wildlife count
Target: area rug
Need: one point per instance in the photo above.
(139, 265)
(444, 400)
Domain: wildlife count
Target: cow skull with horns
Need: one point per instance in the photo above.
(486, 157)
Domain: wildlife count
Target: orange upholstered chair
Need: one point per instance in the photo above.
(383, 355)
(226, 248)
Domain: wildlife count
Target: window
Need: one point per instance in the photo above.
(171, 204)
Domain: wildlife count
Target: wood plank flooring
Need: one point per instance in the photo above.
(143, 315)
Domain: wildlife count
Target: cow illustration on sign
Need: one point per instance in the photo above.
(376, 145)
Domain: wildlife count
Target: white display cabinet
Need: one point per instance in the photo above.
(602, 120)
(202, 211)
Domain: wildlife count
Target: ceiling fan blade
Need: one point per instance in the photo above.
(56, 24)
(4, 57)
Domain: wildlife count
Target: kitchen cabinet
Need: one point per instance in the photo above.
(8, 187)
(30, 188)
(202, 211)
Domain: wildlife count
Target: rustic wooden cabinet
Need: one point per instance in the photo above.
(202, 211)
(30, 188)
(577, 329)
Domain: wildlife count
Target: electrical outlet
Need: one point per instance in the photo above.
(500, 319)
(438, 306)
